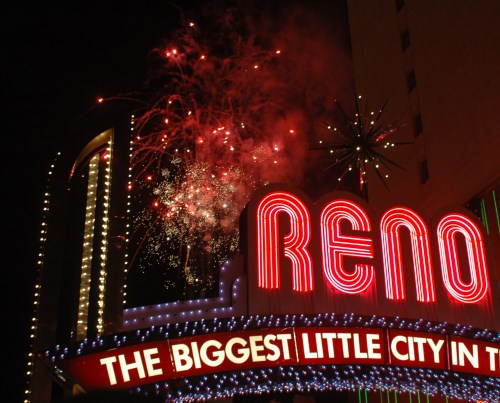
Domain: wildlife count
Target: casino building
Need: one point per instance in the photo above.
(328, 332)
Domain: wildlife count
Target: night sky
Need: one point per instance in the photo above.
(57, 60)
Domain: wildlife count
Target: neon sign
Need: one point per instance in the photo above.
(336, 248)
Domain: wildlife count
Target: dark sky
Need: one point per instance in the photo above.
(57, 59)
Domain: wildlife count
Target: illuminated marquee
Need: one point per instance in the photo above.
(212, 359)
(327, 295)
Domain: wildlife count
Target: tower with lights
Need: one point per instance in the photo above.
(79, 287)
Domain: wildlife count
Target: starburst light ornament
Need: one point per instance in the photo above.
(359, 142)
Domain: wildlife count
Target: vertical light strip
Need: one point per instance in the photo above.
(127, 225)
(496, 210)
(108, 157)
(484, 215)
(36, 294)
(88, 246)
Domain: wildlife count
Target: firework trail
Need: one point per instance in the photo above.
(233, 102)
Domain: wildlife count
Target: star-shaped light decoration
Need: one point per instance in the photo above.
(358, 142)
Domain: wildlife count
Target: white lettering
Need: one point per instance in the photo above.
(460, 352)
(150, 362)
(307, 349)
(436, 347)
(218, 355)
(491, 352)
(182, 360)
(137, 364)
(196, 354)
(109, 367)
(271, 346)
(329, 343)
(420, 341)
(284, 344)
(372, 346)
(345, 345)
(243, 352)
(357, 348)
(394, 348)
(254, 348)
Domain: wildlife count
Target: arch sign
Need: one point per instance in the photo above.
(189, 356)
(330, 295)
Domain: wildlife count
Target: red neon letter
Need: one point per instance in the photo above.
(335, 246)
(390, 225)
(476, 289)
(295, 243)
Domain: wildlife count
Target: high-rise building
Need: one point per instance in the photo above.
(79, 289)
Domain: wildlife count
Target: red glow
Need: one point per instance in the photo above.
(348, 246)
(390, 226)
(295, 243)
(100, 100)
(335, 246)
(448, 228)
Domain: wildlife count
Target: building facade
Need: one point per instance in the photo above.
(437, 66)
(79, 287)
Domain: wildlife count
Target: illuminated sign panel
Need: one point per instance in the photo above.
(242, 350)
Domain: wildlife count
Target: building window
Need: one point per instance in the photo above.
(405, 40)
(399, 4)
(418, 125)
(411, 81)
(424, 172)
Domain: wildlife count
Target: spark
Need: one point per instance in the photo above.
(196, 161)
